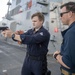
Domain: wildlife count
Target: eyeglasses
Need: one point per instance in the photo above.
(61, 14)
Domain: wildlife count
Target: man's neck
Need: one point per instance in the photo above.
(36, 29)
(71, 22)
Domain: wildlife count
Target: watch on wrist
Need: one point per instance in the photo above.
(56, 56)
(13, 36)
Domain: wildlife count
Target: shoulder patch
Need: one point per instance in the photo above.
(41, 33)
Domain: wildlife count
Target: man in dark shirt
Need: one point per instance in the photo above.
(37, 40)
(66, 56)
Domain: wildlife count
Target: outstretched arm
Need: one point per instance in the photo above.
(9, 33)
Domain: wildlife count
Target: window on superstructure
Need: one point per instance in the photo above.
(15, 10)
(18, 1)
(28, 15)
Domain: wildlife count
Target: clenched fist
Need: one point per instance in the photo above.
(7, 33)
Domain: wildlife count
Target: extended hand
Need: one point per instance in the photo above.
(7, 33)
(19, 32)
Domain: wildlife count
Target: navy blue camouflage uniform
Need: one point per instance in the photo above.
(35, 62)
(68, 49)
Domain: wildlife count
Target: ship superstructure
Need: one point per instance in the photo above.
(19, 13)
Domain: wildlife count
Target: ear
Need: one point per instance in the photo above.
(70, 14)
(41, 22)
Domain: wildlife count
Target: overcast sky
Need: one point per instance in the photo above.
(3, 8)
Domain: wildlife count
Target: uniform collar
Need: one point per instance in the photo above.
(72, 25)
(37, 29)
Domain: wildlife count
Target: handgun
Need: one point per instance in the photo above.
(3, 28)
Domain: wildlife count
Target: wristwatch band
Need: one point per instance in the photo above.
(56, 56)
(13, 36)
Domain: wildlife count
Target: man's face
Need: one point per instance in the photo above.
(64, 16)
(36, 22)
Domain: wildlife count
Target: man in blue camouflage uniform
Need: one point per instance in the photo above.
(66, 57)
(37, 40)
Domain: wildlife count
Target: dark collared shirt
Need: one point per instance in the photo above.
(68, 48)
(37, 42)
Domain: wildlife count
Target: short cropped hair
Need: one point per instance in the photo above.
(39, 15)
(70, 6)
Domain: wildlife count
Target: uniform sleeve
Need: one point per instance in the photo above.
(69, 50)
(36, 38)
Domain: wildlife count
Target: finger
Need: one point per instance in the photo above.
(17, 32)
(2, 32)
